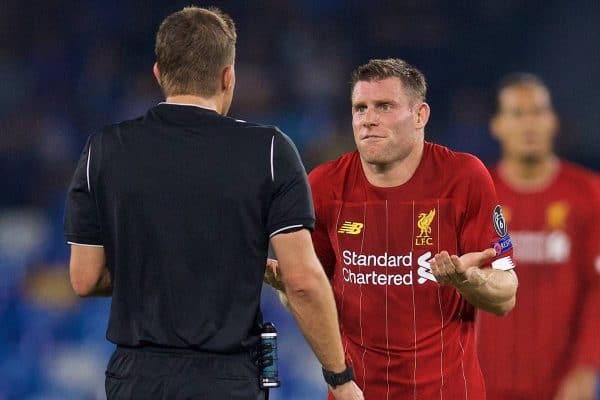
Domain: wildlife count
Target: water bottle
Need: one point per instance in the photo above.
(269, 374)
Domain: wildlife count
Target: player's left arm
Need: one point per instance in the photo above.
(485, 278)
(489, 289)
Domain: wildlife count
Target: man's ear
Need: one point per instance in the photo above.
(156, 73)
(227, 78)
(422, 115)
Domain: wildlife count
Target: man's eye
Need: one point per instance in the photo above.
(385, 106)
(361, 109)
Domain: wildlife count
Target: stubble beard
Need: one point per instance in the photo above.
(373, 156)
(380, 159)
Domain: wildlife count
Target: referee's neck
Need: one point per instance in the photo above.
(190, 100)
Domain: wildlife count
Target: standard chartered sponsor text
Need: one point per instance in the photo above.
(367, 276)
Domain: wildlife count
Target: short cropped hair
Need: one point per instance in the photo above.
(193, 46)
(517, 79)
(409, 75)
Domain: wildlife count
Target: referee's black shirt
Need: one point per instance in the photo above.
(184, 201)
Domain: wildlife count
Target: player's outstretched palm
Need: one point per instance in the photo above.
(456, 271)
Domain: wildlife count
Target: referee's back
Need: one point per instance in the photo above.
(184, 201)
(171, 214)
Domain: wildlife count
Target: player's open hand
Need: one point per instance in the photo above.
(347, 391)
(271, 276)
(458, 271)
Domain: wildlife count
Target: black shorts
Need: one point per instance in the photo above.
(151, 373)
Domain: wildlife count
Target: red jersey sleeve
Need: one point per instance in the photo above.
(320, 235)
(484, 225)
(587, 345)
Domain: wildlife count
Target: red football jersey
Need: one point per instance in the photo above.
(406, 336)
(556, 322)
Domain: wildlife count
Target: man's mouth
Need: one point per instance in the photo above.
(372, 137)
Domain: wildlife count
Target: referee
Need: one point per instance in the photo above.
(171, 215)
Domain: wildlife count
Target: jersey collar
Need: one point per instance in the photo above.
(188, 105)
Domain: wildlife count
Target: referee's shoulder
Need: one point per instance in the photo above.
(109, 135)
(264, 128)
(271, 133)
(119, 128)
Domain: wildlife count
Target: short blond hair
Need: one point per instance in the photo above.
(378, 69)
(193, 46)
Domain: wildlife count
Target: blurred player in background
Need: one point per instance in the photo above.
(383, 213)
(172, 213)
(549, 346)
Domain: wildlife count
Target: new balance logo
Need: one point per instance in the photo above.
(351, 228)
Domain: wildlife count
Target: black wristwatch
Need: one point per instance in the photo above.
(334, 379)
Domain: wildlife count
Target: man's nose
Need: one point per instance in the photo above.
(371, 118)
